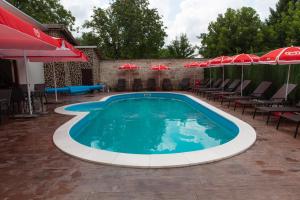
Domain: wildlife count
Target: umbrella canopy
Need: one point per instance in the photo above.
(227, 60)
(244, 59)
(64, 49)
(218, 61)
(159, 68)
(191, 65)
(128, 67)
(16, 33)
(282, 56)
(80, 58)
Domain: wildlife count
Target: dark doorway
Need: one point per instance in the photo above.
(87, 76)
(6, 74)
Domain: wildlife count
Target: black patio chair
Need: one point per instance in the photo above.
(121, 85)
(18, 100)
(5, 98)
(258, 93)
(151, 84)
(39, 92)
(185, 84)
(167, 85)
(293, 117)
(277, 99)
(137, 85)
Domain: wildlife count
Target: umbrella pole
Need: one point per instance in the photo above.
(159, 80)
(242, 79)
(223, 79)
(194, 74)
(209, 77)
(129, 87)
(28, 84)
(55, 85)
(287, 83)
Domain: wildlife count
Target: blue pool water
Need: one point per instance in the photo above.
(157, 123)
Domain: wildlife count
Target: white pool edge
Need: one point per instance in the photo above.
(244, 140)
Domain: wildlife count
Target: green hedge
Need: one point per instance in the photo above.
(257, 73)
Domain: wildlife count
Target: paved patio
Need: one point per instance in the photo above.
(31, 167)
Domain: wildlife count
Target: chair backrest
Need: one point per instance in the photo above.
(226, 81)
(217, 83)
(151, 84)
(245, 84)
(6, 94)
(261, 89)
(137, 81)
(280, 94)
(209, 83)
(233, 85)
(167, 84)
(121, 82)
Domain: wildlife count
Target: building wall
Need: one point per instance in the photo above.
(35, 73)
(109, 72)
(70, 73)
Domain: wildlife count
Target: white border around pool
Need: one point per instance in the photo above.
(239, 144)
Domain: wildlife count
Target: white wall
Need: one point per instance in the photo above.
(35, 72)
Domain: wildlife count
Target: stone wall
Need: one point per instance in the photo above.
(70, 73)
(109, 72)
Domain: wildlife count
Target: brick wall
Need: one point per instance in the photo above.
(109, 72)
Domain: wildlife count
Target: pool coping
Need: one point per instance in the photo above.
(62, 139)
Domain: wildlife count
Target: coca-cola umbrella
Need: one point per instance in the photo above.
(219, 62)
(244, 59)
(65, 53)
(129, 67)
(192, 65)
(283, 56)
(159, 68)
(19, 35)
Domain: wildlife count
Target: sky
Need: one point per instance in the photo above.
(179, 16)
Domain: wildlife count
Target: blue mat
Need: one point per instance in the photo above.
(81, 89)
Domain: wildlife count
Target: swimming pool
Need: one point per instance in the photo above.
(151, 130)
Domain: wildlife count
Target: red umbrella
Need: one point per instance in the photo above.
(129, 67)
(282, 56)
(244, 59)
(17, 34)
(159, 68)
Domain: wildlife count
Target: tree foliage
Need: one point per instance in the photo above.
(284, 23)
(128, 29)
(181, 47)
(46, 11)
(234, 32)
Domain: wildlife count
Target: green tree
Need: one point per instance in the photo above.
(284, 23)
(128, 29)
(46, 11)
(88, 39)
(237, 31)
(181, 47)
